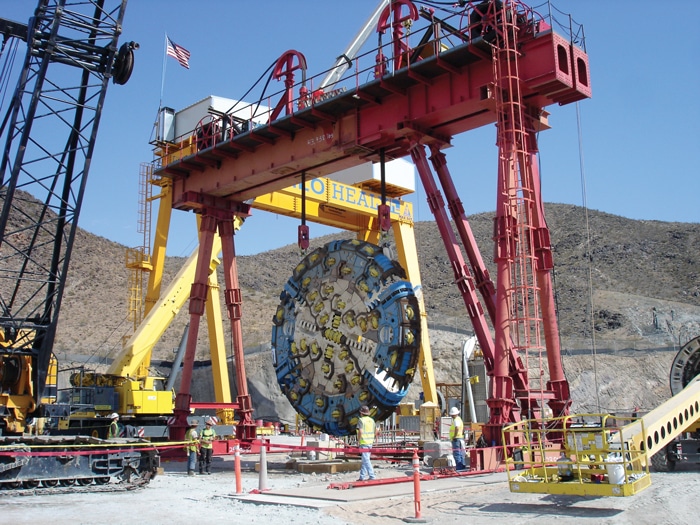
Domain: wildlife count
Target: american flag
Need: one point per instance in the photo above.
(179, 53)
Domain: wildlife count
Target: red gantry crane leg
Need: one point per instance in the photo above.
(463, 278)
(245, 428)
(215, 217)
(525, 312)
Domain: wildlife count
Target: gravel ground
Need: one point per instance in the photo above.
(175, 498)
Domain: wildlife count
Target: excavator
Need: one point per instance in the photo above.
(49, 131)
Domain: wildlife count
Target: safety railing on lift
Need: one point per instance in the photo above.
(590, 455)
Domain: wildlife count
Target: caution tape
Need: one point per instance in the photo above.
(84, 449)
(77, 449)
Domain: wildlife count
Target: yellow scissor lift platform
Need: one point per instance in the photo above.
(592, 460)
(596, 454)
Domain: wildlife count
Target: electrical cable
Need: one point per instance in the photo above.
(262, 95)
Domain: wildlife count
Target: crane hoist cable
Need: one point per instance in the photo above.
(588, 249)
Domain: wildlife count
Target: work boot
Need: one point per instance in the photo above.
(190, 472)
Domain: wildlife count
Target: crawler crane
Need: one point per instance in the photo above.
(50, 132)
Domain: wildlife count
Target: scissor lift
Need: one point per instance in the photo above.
(598, 455)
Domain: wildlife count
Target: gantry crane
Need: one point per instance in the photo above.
(481, 63)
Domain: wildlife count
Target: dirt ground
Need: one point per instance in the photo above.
(175, 498)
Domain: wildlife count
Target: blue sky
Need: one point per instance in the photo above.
(640, 132)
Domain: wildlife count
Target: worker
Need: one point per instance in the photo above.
(192, 446)
(113, 430)
(365, 440)
(457, 438)
(206, 447)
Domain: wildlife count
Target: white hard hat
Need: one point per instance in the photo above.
(454, 411)
(114, 415)
(208, 421)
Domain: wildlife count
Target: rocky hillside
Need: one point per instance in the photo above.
(627, 292)
(641, 280)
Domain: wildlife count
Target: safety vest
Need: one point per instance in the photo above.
(191, 435)
(113, 430)
(457, 428)
(208, 435)
(366, 426)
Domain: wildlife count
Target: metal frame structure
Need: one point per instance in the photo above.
(49, 141)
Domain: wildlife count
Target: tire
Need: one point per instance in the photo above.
(661, 463)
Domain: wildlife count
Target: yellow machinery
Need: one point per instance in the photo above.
(600, 455)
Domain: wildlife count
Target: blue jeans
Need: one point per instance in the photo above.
(191, 460)
(366, 470)
(458, 453)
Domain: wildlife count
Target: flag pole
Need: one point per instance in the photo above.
(162, 77)
(162, 88)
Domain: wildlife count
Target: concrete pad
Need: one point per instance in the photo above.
(317, 497)
(276, 499)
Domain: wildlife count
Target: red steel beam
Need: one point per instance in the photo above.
(348, 130)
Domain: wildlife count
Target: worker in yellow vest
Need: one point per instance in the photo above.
(192, 447)
(457, 438)
(113, 430)
(206, 446)
(365, 440)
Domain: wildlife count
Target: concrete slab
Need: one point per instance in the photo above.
(276, 499)
(319, 496)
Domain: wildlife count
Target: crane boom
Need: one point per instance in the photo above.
(344, 61)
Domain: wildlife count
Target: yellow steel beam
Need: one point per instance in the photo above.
(217, 343)
(663, 424)
(160, 241)
(333, 203)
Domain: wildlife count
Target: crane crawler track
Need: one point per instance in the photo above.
(8, 490)
(51, 463)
